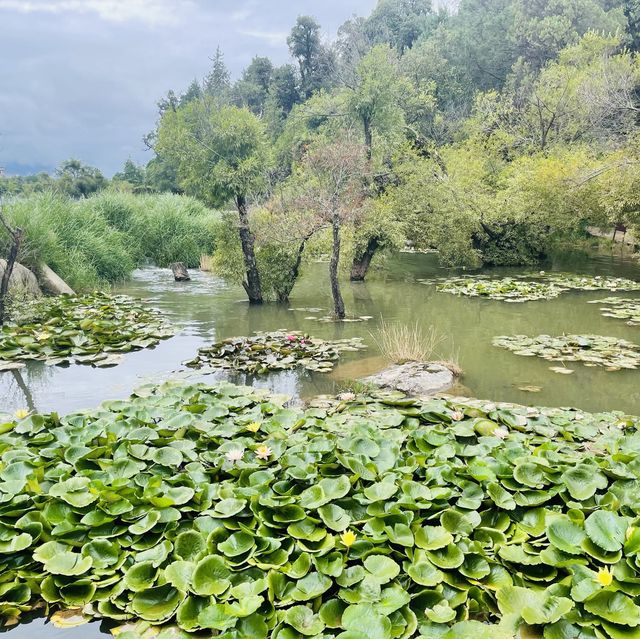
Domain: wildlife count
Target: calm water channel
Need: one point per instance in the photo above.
(207, 309)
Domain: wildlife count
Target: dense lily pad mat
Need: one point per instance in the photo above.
(507, 289)
(88, 329)
(530, 287)
(620, 308)
(590, 350)
(279, 350)
(217, 509)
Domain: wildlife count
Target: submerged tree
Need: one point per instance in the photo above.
(221, 155)
(334, 194)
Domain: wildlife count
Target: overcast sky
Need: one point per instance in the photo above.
(81, 78)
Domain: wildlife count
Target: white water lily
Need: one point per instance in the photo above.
(502, 433)
(235, 455)
(263, 452)
(346, 397)
(457, 416)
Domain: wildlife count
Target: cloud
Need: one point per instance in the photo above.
(148, 11)
(272, 38)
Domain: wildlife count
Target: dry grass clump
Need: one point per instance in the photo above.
(401, 343)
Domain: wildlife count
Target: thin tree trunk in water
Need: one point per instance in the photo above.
(283, 296)
(338, 302)
(361, 264)
(252, 280)
(8, 270)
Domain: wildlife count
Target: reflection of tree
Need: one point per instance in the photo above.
(17, 375)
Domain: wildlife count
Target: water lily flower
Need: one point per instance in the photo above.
(346, 397)
(457, 416)
(291, 338)
(254, 427)
(604, 577)
(348, 538)
(501, 433)
(263, 452)
(234, 455)
(22, 413)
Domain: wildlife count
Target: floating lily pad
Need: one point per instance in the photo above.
(369, 518)
(590, 283)
(620, 308)
(88, 329)
(281, 350)
(506, 289)
(591, 350)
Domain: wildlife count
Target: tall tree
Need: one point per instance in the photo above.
(316, 63)
(253, 87)
(221, 155)
(333, 192)
(400, 23)
(217, 83)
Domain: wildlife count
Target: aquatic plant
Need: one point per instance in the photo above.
(590, 350)
(589, 283)
(400, 343)
(621, 308)
(217, 509)
(506, 289)
(88, 329)
(279, 350)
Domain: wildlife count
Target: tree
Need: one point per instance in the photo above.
(333, 193)
(79, 180)
(217, 83)
(315, 62)
(399, 23)
(221, 156)
(252, 89)
(132, 175)
(193, 92)
(632, 13)
(374, 98)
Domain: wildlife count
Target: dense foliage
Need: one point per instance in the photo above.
(98, 240)
(90, 329)
(217, 509)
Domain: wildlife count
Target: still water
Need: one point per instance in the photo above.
(207, 309)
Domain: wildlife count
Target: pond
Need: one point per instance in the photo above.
(206, 309)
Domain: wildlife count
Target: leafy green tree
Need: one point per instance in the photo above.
(131, 175)
(631, 10)
(193, 92)
(221, 156)
(79, 180)
(399, 23)
(316, 63)
(252, 89)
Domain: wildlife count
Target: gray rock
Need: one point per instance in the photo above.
(22, 279)
(180, 272)
(52, 283)
(414, 378)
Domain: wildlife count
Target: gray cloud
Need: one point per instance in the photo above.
(80, 78)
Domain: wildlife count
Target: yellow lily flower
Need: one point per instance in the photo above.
(604, 577)
(254, 427)
(22, 413)
(348, 538)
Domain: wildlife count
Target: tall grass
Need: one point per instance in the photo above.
(101, 239)
(401, 343)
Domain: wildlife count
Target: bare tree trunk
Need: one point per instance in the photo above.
(361, 263)
(338, 302)
(252, 281)
(8, 270)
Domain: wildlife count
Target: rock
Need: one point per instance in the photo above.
(22, 279)
(52, 283)
(414, 378)
(180, 272)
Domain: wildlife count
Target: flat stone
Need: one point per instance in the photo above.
(414, 378)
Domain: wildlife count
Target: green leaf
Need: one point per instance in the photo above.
(606, 529)
(211, 576)
(304, 621)
(383, 568)
(614, 607)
